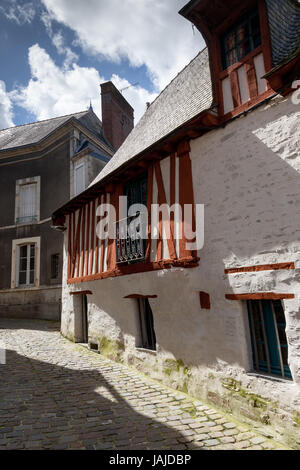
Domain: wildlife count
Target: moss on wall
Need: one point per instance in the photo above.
(111, 348)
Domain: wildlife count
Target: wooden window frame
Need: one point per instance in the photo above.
(245, 20)
(270, 340)
(218, 72)
(36, 181)
(16, 244)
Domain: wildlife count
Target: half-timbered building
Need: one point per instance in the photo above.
(219, 320)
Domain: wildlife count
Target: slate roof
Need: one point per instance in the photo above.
(284, 22)
(35, 132)
(185, 97)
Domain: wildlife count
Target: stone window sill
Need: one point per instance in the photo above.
(272, 378)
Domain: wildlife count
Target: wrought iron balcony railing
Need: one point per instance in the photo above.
(130, 239)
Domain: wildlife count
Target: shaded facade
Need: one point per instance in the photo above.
(43, 165)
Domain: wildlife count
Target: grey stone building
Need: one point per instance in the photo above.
(43, 165)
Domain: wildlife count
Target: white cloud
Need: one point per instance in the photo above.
(146, 32)
(58, 41)
(20, 12)
(6, 114)
(52, 91)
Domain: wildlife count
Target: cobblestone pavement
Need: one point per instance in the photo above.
(58, 395)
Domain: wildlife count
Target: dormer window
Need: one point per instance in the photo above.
(242, 39)
(238, 37)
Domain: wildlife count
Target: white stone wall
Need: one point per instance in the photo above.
(247, 175)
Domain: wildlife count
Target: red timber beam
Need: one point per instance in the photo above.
(186, 194)
(149, 205)
(163, 200)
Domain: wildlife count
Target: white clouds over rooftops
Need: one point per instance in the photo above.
(147, 32)
(52, 91)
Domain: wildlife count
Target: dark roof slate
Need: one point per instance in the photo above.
(284, 22)
(188, 94)
(33, 133)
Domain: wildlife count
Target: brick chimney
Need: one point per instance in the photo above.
(117, 115)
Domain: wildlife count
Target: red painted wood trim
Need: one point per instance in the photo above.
(225, 73)
(183, 148)
(86, 256)
(111, 250)
(252, 80)
(92, 244)
(69, 244)
(97, 218)
(260, 267)
(77, 244)
(204, 300)
(247, 105)
(235, 88)
(172, 194)
(82, 252)
(163, 200)
(149, 204)
(102, 246)
(81, 292)
(139, 296)
(265, 34)
(186, 196)
(139, 268)
(259, 296)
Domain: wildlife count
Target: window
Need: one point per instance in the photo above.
(268, 338)
(54, 266)
(147, 338)
(27, 200)
(79, 178)
(130, 239)
(26, 264)
(243, 38)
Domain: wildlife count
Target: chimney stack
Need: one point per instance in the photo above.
(117, 115)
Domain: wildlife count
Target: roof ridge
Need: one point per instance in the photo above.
(167, 86)
(44, 120)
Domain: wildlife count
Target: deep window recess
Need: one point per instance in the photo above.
(130, 242)
(147, 338)
(27, 203)
(268, 338)
(54, 266)
(240, 40)
(26, 265)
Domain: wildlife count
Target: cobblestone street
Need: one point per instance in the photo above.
(58, 395)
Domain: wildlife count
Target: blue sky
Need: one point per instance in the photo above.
(55, 53)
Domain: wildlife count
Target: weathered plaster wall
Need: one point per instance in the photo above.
(247, 175)
(37, 303)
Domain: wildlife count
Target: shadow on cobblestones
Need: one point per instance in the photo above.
(45, 405)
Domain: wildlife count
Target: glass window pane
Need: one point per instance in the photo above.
(241, 39)
(31, 280)
(22, 277)
(23, 251)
